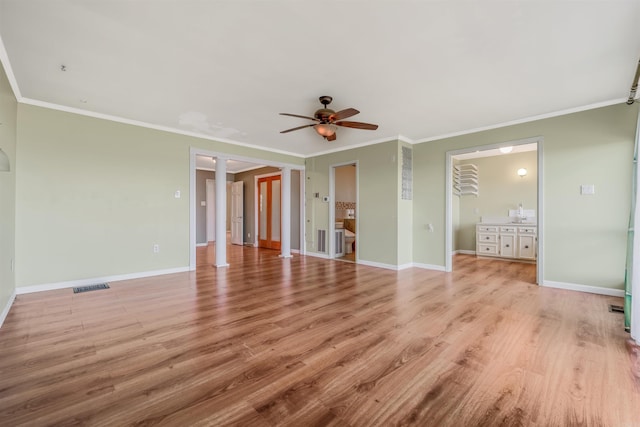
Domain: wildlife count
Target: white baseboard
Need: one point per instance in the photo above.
(295, 251)
(317, 255)
(85, 282)
(584, 288)
(464, 252)
(429, 266)
(5, 310)
(199, 245)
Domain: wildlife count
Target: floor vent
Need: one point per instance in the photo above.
(90, 288)
(616, 308)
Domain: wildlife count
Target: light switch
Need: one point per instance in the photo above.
(203, 203)
(587, 189)
(177, 194)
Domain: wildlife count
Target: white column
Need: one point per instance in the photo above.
(285, 235)
(221, 212)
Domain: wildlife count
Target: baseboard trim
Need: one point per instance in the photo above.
(429, 266)
(317, 255)
(199, 245)
(464, 252)
(378, 264)
(584, 288)
(84, 282)
(5, 310)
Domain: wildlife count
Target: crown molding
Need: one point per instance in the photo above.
(524, 120)
(4, 59)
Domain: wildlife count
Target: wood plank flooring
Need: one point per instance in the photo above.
(306, 341)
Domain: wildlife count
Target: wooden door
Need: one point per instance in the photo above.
(269, 221)
(237, 213)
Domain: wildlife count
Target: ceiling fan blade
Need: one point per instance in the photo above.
(298, 128)
(299, 116)
(332, 137)
(357, 125)
(343, 114)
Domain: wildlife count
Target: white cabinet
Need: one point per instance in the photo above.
(507, 241)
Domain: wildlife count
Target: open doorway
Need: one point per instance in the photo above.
(343, 215)
(494, 205)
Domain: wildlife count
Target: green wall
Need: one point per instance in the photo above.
(501, 189)
(94, 196)
(377, 209)
(8, 113)
(584, 236)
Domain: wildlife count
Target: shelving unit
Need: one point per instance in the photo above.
(465, 180)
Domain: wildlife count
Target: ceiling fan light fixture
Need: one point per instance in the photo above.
(325, 129)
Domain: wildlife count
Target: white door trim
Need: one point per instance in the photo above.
(211, 209)
(332, 205)
(539, 140)
(193, 152)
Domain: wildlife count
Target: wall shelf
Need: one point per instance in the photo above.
(465, 180)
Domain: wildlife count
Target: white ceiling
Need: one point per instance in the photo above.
(225, 69)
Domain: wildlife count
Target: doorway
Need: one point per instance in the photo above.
(343, 211)
(269, 207)
(501, 203)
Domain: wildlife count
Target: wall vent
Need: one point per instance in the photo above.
(322, 241)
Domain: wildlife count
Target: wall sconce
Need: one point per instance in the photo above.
(4, 162)
(522, 172)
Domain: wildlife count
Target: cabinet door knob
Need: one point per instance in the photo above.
(487, 237)
(526, 247)
(507, 246)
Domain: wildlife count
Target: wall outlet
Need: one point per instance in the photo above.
(156, 248)
(430, 227)
(177, 194)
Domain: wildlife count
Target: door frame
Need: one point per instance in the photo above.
(193, 152)
(539, 140)
(332, 206)
(256, 212)
(257, 201)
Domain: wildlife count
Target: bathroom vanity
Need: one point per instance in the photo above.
(514, 241)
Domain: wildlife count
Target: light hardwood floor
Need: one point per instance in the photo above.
(306, 341)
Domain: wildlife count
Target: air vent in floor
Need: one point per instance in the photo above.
(80, 289)
(616, 308)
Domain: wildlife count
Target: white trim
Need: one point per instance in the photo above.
(404, 266)
(379, 265)
(539, 140)
(316, 255)
(85, 282)
(193, 152)
(464, 252)
(303, 213)
(332, 205)
(295, 251)
(199, 245)
(360, 145)
(583, 288)
(524, 120)
(429, 266)
(142, 124)
(7, 307)
(4, 59)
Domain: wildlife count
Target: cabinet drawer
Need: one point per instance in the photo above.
(487, 249)
(487, 238)
(527, 230)
(488, 228)
(507, 229)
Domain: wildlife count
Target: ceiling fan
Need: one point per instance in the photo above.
(326, 120)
